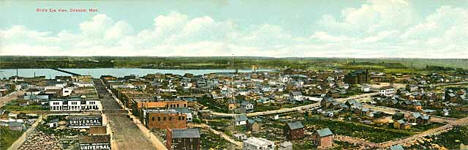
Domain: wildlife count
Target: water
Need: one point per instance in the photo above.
(117, 72)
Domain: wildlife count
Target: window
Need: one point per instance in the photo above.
(170, 118)
(152, 118)
(164, 118)
(177, 105)
(159, 118)
(185, 105)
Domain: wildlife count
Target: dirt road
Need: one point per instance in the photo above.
(224, 136)
(125, 133)
(284, 110)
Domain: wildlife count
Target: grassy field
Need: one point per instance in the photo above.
(8, 137)
(210, 140)
(373, 134)
(450, 140)
(14, 105)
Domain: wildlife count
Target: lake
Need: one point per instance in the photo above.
(118, 72)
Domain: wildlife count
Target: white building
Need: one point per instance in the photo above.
(254, 143)
(240, 120)
(387, 92)
(74, 104)
(67, 91)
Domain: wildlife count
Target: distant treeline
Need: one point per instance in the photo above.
(239, 62)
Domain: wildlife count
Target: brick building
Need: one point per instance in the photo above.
(294, 130)
(323, 138)
(357, 77)
(163, 119)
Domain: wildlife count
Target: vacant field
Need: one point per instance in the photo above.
(8, 137)
(373, 134)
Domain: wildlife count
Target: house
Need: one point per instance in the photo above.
(247, 105)
(296, 96)
(240, 136)
(183, 139)
(240, 120)
(419, 118)
(94, 142)
(387, 91)
(285, 146)
(323, 138)
(254, 143)
(253, 125)
(294, 130)
(401, 124)
(87, 121)
(232, 105)
(365, 88)
(53, 123)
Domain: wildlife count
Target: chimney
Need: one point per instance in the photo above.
(168, 139)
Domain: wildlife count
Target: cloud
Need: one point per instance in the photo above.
(377, 28)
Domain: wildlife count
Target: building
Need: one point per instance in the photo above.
(187, 112)
(254, 143)
(357, 77)
(81, 121)
(75, 104)
(401, 124)
(296, 96)
(323, 138)
(387, 91)
(240, 120)
(163, 119)
(253, 125)
(247, 105)
(183, 139)
(162, 105)
(137, 109)
(294, 130)
(94, 142)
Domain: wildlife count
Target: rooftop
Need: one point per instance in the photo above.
(324, 132)
(295, 125)
(185, 133)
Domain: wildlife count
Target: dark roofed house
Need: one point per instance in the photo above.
(323, 138)
(95, 142)
(294, 130)
(186, 139)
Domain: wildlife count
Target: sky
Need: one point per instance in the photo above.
(282, 28)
